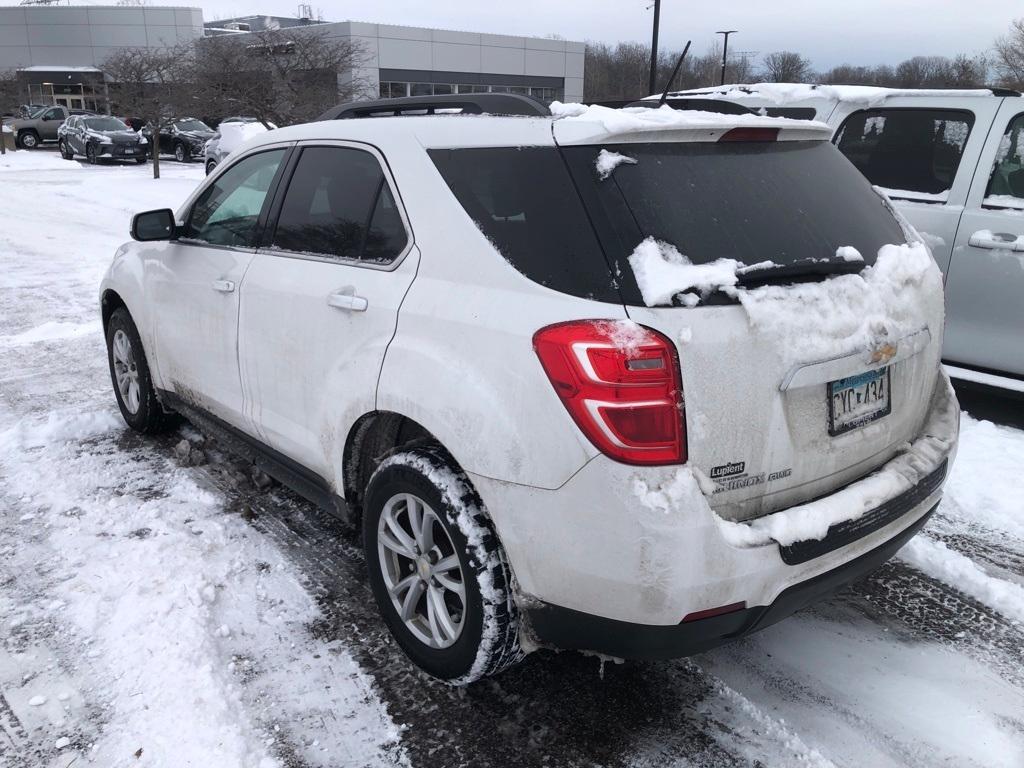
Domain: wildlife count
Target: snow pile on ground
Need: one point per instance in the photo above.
(939, 561)
(580, 122)
(843, 314)
(787, 93)
(35, 160)
(175, 603)
(662, 273)
(52, 330)
(608, 161)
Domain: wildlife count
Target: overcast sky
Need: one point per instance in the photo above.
(829, 33)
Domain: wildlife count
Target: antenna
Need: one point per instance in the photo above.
(668, 85)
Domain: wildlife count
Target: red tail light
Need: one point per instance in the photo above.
(621, 385)
(750, 134)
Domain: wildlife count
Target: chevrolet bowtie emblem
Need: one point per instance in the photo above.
(883, 353)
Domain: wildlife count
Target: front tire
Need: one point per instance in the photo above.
(436, 568)
(210, 165)
(129, 373)
(28, 140)
(90, 154)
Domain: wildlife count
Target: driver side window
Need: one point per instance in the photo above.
(227, 212)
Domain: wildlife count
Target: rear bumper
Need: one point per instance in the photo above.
(575, 630)
(629, 547)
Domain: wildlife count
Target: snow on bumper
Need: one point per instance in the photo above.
(644, 546)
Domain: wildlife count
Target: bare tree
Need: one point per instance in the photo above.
(962, 71)
(278, 76)
(1008, 58)
(786, 67)
(152, 84)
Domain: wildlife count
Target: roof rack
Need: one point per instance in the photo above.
(456, 104)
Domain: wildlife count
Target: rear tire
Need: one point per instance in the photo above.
(210, 165)
(65, 150)
(129, 373)
(455, 550)
(140, 160)
(181, 153)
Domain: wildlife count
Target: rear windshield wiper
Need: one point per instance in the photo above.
(803, 271)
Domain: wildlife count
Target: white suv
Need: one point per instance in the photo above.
(633, 381)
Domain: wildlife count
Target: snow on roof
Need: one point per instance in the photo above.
(580, 123)
(58, 68)
(787, 93)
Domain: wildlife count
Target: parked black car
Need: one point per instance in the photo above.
(100, 136)
(184, 138)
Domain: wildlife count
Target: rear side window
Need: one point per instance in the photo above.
(784, 202)
(913, 152)
(1006, 183)
(338, 205)
(524, 202)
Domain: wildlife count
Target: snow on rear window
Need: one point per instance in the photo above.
(608, 161)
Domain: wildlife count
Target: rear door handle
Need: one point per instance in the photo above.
(349, 301)
(224, 286)
(996, 240)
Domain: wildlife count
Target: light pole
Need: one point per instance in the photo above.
(725, 48)
(651, 83)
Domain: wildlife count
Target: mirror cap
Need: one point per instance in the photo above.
(153, 225)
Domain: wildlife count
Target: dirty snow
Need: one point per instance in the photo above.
(608, 161)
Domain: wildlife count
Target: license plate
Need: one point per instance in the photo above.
(858, 400)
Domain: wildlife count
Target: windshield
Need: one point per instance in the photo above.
(36, 112)
(192, 125)
(105, 124)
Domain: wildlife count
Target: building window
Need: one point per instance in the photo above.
(443, 89)
(394, 90)
(422, 89)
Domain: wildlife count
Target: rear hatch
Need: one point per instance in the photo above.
(802, 374)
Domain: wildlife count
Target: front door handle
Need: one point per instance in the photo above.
(996, 240)
(346, 299)
(224, 286)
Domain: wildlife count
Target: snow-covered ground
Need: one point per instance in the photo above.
(157, 608)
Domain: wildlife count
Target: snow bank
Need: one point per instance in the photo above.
(787, 93)
(35, 160)
(608, 161)
(662, 272)
(937, 560)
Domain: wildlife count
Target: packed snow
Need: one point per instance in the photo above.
(608, 161)
(663, 273)
(234, 135)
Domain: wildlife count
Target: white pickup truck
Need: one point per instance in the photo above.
(952, 161)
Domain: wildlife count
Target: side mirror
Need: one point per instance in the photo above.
(153, 225)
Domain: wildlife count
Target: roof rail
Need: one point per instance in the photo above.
(455, 104)
(997, 91)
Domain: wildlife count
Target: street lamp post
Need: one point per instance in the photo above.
(652, 81)
(725, 48)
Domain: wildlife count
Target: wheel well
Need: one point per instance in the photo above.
(374, 435)
(108, 304)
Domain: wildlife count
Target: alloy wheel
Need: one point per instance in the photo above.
(179, 153)
(126, 372)
(28, 141)
(422, 571)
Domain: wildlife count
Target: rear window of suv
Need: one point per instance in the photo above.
(913, 153)
(783, 202)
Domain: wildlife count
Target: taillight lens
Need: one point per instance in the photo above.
(750, 134)
(621, 384)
